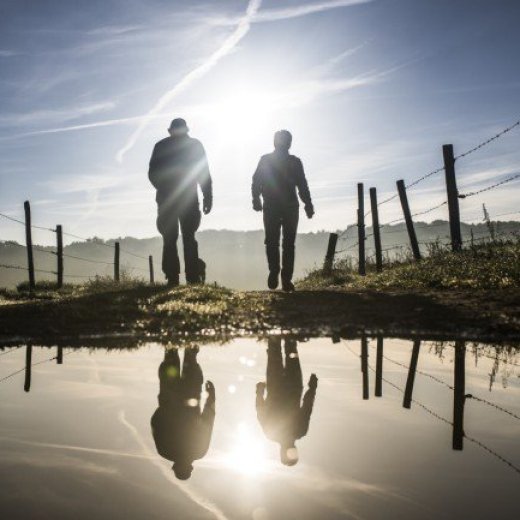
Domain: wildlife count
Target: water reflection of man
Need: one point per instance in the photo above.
(182, 432)
(281, 413)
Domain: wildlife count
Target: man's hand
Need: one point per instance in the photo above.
(207, 204)
(257, 205)
(313, 382)
(260, 388)
(309, 210)
(210, 389)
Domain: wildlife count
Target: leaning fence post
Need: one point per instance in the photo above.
(453, 197)
(331, 252)
(361, 229)
(376, 230)
(29, 245)
(379, 367)
(59, 355)
(116, 262)
(59, 253)
(459, 395)
(150, 265)
(407, 400)
(28, 364)
(364, 365)
(408, 218)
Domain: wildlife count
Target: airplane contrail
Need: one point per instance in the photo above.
(229, 44)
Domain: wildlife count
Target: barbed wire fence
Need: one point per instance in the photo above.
(453, 237)
(58, 252)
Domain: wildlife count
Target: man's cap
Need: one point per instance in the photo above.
(178, 123)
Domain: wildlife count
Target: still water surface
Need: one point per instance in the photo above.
(97, 436)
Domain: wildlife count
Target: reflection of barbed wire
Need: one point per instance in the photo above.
(494, 405)
(10, 350)
(446, 421)
(487, 188)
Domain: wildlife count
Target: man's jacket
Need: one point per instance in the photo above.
(277, 177)
(177, 166)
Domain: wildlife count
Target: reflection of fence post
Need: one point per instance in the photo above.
(150, 264)
(28, 362)
(59, 253)
(364, 365)
(408, 219)
(361, 229)
(376, 230)
(453, 197)
(459, 389)
(29, 246)
(407, 401)
(59, 355)
(331, 251)
(116, 262)
(379, 367)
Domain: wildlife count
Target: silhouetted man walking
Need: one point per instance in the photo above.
(182, 432)
(282, 415)
(178, 164)
(276, 179)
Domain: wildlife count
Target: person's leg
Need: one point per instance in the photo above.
(272, 226)
(293, 368)
(190, 222)
(289, 229)
(169, 376)
(274, 372)
(192, 375)
(168, 226)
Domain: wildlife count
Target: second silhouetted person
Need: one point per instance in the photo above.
(277, 178)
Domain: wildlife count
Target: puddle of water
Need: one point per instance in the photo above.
(96, 436)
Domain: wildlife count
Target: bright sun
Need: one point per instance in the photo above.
(247, 455)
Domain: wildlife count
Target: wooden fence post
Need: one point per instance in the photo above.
(376, 230)
(331, 252)
(29, 245)
(364, 365)
(408, 219)
(453, 197)
(361, 229)
(379, 367)
(59, 355)
(150, 264)
(407, 400)
(59, 253)
(459, 388)
(116, 262)
(28, 364)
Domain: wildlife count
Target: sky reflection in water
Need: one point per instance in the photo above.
(79, 441)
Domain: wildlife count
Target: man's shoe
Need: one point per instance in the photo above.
(272, 280)
(287, 286)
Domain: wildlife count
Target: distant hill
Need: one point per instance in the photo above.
(234, 259)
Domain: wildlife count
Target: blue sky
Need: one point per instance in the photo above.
(370, 89)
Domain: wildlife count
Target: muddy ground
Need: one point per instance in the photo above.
(158, 313)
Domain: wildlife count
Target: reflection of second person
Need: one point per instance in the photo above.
(279, 407)
(181, 428)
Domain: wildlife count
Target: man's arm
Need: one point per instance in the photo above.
(204, 179)
(308, 403)
(152, 169)
(256, 187)
(260, 401)
(303, 189)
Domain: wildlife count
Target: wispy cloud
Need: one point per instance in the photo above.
(229, 44)
(7, 53)
(285, 13)
(49, 116)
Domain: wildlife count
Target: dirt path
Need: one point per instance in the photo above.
(158, 313)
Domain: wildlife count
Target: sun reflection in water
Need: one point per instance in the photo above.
(247, 455)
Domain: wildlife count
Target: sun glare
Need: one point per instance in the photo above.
(247, 455)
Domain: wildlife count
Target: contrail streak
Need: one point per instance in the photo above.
(229, 44)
